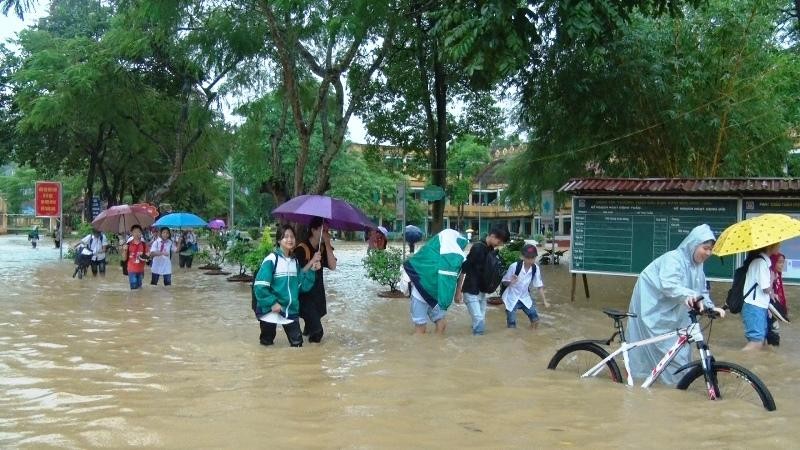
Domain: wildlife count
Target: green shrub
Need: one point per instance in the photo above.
(237, 254)
(83, 229)
(511, 252)
(383, 266)
(255, 256)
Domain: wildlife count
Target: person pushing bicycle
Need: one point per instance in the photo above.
(664, 290)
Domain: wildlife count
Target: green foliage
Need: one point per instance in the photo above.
(502, 39)
(84, 229)
(203, 256)
(18, 188)
(368, 186)
(510, 252)
(265, 245)
(466, 158)
(383, 266)
(707, 95)
(218, 245)
(238, 253)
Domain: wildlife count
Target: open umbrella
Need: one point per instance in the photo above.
(120, 219)
(412, 233)
(339, 214)
(180, 220)
(216, 224)
(755, 233)
(150, 208)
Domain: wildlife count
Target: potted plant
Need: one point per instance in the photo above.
(215, 257)
(255, 256)
(237, 254)
(383, 266)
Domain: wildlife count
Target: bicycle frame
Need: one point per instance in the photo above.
(692, 333)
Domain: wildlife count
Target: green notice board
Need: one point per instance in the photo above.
(623, 235)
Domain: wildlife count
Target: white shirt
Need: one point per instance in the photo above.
(521, 290)
(162, 264)
(96, 244)
(758, 272)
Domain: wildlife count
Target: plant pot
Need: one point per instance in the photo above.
(494, 301)
(216, 272)
(241, 278)
(210, 267)
(390, 294)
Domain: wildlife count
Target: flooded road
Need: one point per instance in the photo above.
(88, 363)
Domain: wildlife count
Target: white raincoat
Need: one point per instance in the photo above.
(658, 301)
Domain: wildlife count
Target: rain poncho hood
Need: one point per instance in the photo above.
(658, 302)
(434, 269)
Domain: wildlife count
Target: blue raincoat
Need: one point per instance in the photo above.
(658, 301)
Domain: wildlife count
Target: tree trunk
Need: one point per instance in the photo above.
(439, 159)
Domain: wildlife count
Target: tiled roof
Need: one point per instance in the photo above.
(685, 186)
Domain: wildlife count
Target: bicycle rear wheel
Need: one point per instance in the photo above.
(733, 382)
(581, 356)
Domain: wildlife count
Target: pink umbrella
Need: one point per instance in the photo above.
(120, 219)
(216, 224)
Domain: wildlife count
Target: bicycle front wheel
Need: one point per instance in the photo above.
(579, 357)
(732, 381)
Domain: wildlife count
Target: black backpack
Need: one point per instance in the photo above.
(736, 294)
(491, 271)
(517, 270)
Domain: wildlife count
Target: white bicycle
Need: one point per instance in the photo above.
(716, 379)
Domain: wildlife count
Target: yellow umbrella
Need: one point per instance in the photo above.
(755, 233)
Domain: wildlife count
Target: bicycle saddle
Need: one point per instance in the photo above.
(615, 314)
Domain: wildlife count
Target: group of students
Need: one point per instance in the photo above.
(137, 253)
(441, 272)
(290, 282)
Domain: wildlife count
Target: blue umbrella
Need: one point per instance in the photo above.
(412, 233)
(180, 220)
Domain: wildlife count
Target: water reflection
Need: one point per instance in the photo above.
(88, 363)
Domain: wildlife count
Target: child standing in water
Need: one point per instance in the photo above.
(777, 298)
(278, 284)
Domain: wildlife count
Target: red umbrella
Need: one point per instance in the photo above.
(120, 218)
(150, 208)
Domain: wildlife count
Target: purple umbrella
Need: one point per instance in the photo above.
(339, 214)
(216, 224)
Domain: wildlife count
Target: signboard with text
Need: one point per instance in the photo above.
(48, 199)
(623, 235)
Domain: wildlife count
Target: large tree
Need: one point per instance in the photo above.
(700, 96)
(62, 89)
(312, 37)
(180, 57)
(410, 101)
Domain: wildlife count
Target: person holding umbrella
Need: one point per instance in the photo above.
(136, 254)
(413, 235)
(760, 236)
(313, 304)
(277, 286)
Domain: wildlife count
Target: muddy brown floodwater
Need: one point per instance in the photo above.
(88, 363)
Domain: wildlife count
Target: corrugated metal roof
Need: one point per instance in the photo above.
(685, 186)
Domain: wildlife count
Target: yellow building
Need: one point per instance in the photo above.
(486, 207)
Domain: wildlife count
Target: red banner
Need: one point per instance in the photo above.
(48, 199)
